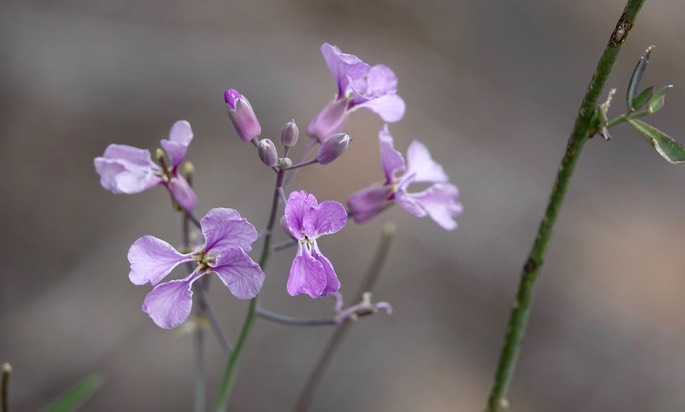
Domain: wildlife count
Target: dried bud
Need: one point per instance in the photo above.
(267, 152)
(289, 134)
(332, 148)
(241, 114)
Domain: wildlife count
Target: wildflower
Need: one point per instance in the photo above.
(359, 85)
(228, 238)
(332, 148)
(242, 115)
(129, 170)
(438, 201)
(306, 220)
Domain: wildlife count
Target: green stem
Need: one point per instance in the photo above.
(250, 316)
(4, 397)
(520, 312)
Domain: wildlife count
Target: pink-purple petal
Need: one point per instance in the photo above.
(369, 202)
(328, 217)
(408, 202)
(307, 275)
(180, 137)
(169, 303)
(296, 207)
(342, 65)
(152, 259)
(225, 228)
(390, 107)
(422, 166)
(440, 202)
(127, 169)
(332, 282)
(391, 159)
(182, 192)
(243, 277)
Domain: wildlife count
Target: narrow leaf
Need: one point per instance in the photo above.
(664, 144)
(642, 98)
(636, 78)
(77, 395)
(656, 102)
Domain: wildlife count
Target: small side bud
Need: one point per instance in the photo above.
(267, 152)
(289, 134)
(284, 162)
(332, 148)
(242, 115)
(188, 168)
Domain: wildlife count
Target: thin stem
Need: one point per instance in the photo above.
(284, 245)
(233, 360)
(303, 164)
(213, 321)
(291, 320)
(308, 149)
(369, 280)
(189, 214)
(6, 370)
(520, 312)
(200, 373)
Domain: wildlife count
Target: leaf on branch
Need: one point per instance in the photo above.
(76, 396)
(664, 144)
(636, 78)
(656, 102)
(643, 98)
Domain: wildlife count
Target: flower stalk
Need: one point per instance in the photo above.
(582, 131)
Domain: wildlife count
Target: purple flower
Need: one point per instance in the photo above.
(438, 201)
(359, 85)
(228, 238)
(129, 170)
(305, 219)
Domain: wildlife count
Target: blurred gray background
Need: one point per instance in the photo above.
(492, 87)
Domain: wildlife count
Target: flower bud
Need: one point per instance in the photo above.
(241, 114)
(284, 162)
(329, 121)
(267, 152)
(289, 134)
(332, 148)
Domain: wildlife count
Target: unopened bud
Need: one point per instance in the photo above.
(284, 162)
(289, 134)
(332, 148)
(242, 115)
(267, 152)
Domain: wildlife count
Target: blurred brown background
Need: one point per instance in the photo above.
(491, 87)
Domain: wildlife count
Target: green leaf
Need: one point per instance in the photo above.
(642, 98)
(636, 78)
(664, 144)
(77, 395)
(656, 102)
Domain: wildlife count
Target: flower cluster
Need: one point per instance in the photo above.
(229, 237)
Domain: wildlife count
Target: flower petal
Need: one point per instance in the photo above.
(440, 201)
(180, 137)
(391, 159)
(422, 166)
(342, 66)
(408, 202)
(379, 81)
(182, 192)
(126, 169)
(169, 303)
(225, 228)
(296, 207)
(369, 202)
(152, 259)
(307, 275)
(243, 277)
(390, 107)
(332, 282)
(328, 217)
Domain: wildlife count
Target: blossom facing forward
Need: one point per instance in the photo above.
(359, 85)
(306, 220)
(439, 201)
(228, 238)
(127, 169)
